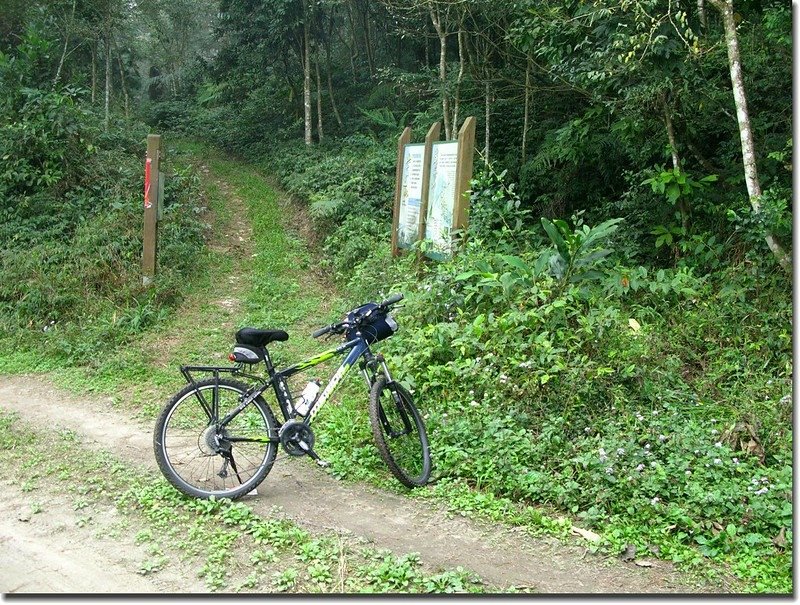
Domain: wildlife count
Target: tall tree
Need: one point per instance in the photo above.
(725, 7)
(307, 119)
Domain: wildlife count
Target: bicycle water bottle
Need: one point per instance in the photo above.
(308, 397)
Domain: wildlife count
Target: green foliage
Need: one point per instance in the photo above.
(577, 251)
(70, 240)
(539, 369)
(676, 183)
(496, 216)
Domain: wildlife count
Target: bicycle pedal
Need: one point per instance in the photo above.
(322, 463)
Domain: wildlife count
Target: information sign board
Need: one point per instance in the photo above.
(441, 198)
(410, 195)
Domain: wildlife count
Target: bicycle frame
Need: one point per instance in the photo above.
(356, 347)
(354, 350)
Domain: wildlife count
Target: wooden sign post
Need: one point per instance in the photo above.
(404, 140)
(466, 151)
(152, 188)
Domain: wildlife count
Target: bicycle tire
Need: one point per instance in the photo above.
(184, 437)
(399, 433)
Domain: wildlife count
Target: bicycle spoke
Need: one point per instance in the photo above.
(201, 457)
(399, 433)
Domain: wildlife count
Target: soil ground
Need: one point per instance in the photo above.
(47, 553)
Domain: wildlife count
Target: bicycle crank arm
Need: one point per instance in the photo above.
(320, 462)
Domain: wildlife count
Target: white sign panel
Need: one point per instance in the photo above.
(442, 196)
(410, 195)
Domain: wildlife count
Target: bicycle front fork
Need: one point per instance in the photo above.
(370, 366)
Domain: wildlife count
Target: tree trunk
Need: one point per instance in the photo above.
(368, 41)
(107, 105)
(67, 32)
(399, 60)
(440, 31)
(427, 48)
(330, 78)
(683, 205)
(460, 78)
(725, 7)
(306, 75)
(526, 113)
(94, 73)
(354, 42)
(319, 97)
(122, 79)
(488, 114)
(701, 12)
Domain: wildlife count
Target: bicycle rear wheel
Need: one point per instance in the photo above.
(399, 433)
(202, 458)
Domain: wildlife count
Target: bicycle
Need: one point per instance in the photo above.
(219, 437)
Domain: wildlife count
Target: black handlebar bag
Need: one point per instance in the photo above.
(380, 325)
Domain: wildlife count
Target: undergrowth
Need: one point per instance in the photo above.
(650, 404)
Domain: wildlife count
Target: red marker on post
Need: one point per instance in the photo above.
(150, 235)
(147, 202)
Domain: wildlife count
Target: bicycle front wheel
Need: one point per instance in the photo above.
(203, 458)
(399, 433)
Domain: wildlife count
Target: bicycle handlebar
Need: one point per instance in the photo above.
(322, 331)
(394, 298)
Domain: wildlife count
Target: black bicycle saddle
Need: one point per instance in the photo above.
(260, 338)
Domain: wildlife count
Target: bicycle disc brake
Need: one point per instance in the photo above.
(296, 438)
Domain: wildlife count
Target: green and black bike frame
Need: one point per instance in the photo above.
(354, 349)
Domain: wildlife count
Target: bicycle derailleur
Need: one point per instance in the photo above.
(297, 439)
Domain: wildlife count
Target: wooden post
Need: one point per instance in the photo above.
(466, 151)
(151, 187)
(430, 138)
(404, 140)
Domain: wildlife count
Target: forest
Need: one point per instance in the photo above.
(610, 344)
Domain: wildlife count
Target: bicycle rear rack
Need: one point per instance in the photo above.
(216, 371)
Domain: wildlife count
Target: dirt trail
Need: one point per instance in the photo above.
(47, 553)
(502, 556)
